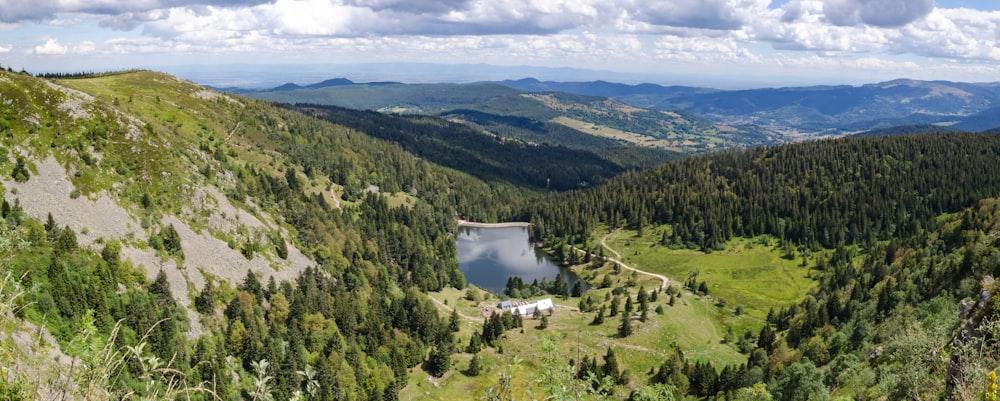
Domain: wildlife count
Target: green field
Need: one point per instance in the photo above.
(748, 273)
(696, 325)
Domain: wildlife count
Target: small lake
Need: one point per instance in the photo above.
(488, 256)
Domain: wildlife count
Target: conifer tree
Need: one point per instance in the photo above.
(625, 329)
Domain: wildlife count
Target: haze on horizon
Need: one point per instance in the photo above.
(770, 42)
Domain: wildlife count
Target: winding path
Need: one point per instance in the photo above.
(460, 314)
(618, 257)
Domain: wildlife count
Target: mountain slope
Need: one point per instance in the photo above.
(903, 231)
(815, 109)
(596, 116)
(221, 228)
(487, 157)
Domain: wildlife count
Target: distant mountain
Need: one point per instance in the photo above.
(828, 110)
(602, 88)
(908, 130)
(501, 110)
(988, 119)
(392, 97)
(329, 83)
(286, 87)
(816, 109)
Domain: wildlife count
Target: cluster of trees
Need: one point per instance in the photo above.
(85, 74)
(597, 374)
(488, 157)
(878, 314)
(357, 321)
(819, 194)
(516, 288)
(71, 284)
(358, 339)
(493, 329)
(891, 277)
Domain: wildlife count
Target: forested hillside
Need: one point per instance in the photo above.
(816, 194)
(216, 247)
(506, 112)
(899, 236)
(497, 158)
(811, 109)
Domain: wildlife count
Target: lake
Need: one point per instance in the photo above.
(488, 256)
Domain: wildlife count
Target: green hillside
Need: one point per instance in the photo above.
(497, 109)
(539, 165)
(259, 234)
(892, 229)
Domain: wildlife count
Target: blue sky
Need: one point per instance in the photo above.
(773, 42)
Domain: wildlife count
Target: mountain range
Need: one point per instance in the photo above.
(811, 110)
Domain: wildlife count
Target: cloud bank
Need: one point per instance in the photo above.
(733, 31)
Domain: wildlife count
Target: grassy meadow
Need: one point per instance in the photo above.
(751, 273)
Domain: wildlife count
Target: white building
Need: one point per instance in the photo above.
(527, 309)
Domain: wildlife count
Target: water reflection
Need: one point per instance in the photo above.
(488, 256)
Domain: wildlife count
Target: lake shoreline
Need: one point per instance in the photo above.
(466, 223)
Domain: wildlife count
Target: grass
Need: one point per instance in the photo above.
(608, 132)
(747, 273)
(694, 324)
(750, 273)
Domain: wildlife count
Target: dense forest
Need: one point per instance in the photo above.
(348, 328)
(488, 157)
(819, 194)
(914, 318)
(883, 319)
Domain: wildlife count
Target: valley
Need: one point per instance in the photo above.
(174, 241)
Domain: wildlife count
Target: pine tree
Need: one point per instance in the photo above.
(474, 367)
(453, 321)
(625, 329)
(205, 303)
(599, 318)
(438, 362)
(577, 289)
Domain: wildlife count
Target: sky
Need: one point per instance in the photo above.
(772, 42)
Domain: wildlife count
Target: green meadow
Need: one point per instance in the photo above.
(751, 273)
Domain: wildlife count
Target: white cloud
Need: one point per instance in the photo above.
(38, 10)
(958, 34)
(882, 13)
(805, 30)
(85, 47)
(703, 49)
(700, 14)
(6, 49)
(62, 22)
(571, 32)
(50, 48)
